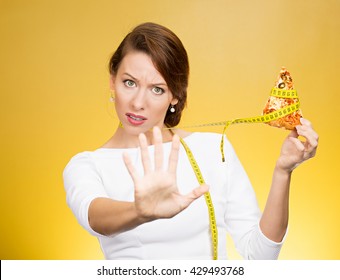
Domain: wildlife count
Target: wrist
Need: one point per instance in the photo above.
(142, 217)
(280, 169)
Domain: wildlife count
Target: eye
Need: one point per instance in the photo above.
(158, 90)
(129, 83)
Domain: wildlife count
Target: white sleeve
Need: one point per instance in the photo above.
(82, 184)
(242, 215)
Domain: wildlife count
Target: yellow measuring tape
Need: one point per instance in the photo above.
(211, 211)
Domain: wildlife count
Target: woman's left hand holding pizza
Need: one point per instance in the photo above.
(294, 151)
(274, 220)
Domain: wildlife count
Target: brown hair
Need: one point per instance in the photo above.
(168, 55)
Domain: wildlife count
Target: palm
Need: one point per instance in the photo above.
(156, 193)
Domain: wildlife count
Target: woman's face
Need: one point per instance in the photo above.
(142, 97)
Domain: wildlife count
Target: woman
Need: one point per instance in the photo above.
(139, 194)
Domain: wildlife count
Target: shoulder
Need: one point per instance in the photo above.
(95, 155)
(89, 161)
(78, 161)
(82, 167)
(80, 157)
(84, 162)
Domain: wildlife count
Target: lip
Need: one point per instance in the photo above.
(135, 119)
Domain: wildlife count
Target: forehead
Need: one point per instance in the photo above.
(139, 65)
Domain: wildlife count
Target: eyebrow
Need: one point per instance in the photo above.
(155, 84)
(131, 76)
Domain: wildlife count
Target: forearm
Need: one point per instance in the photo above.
(274, 220)
(107, 216)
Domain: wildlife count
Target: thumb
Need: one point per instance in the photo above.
(293, 134)
(198, 192)
(193, 195)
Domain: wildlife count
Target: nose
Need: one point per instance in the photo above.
(138, 101)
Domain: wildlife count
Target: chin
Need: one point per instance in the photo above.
(136, 130)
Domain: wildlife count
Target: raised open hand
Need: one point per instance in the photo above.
(294, 151)
(156, 193)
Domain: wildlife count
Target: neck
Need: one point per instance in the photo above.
(122, 138)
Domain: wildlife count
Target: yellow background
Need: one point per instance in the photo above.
(54, 103)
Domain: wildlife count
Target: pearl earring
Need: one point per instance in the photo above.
(172, 109)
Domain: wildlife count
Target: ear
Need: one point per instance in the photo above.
(112, 82)
(174, 101)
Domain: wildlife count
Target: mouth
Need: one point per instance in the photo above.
(135, 119)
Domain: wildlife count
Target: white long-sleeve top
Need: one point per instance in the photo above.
(102, 173)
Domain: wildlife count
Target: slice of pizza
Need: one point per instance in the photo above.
(283, 85)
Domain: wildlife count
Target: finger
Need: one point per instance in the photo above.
(293, 133)
(173, 158)
(144, 153)
(131, 169)
(199, 191)
(196, 193)
(310, 147)
(306, 125)
(298, 144)
(311, 136)
(158, 142)
(193, 195)
(306, 122)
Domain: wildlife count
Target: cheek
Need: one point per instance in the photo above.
(120, 104)
(121, 96)
(160, 110)
(118, 90)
